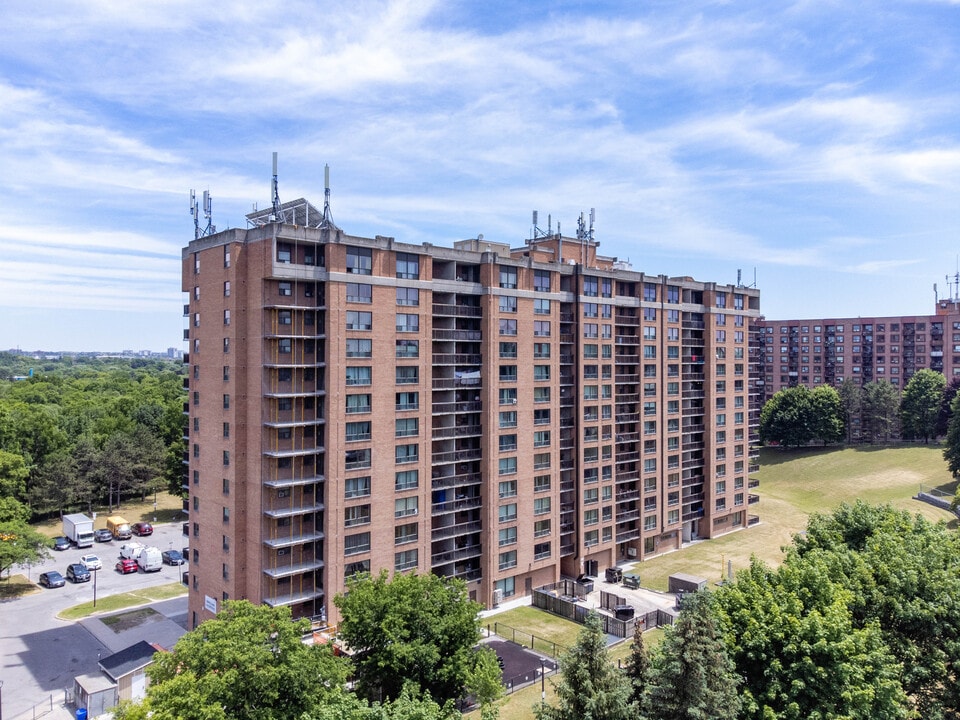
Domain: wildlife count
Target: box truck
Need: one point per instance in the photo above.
(79, 529)
(150, 559)
(119, 527)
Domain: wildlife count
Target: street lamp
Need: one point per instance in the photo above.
(94, 571)
(543, 683)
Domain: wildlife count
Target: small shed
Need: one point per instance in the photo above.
(127, 669)
(94, 693)
(681, 582)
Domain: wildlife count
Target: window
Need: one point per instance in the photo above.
(357, 431)
(591, 330)
(408, 323)
(226, 457)
(356, 515)
(541, 438)
(508, 278)
(508, 560)
(508, 350)
(405, 507)
(541, 306)
(405, 560)
(508, 304)
(356, 544)
(359, 347)
(541, 280)
(590, 350)
(285, 346)
(541, 394)
(541, 328)
(356, 459)
(408, 266)
(508, 326)
(507, 536)
(408, 348)
(507, 513)
(404, 534)
(541, 416)
(408, 296)
(507, 489)
(406, 480)
(359, 261)
(352, 568)
(541, 483)
(591, 517)
(359, 293)
(407, 374)
(541, 372)
(407, 427)
(508, 396)
(358, 404)
(541, 506)
(407, 453)
(285, 289)
(359, 320)
(408, 400)
(507, 466)
(358, 375)
(541, 351)
(590, 538)
(508, 442)
(541, 528)
(508, 373)
(508, 419)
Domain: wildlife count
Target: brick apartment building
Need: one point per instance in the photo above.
(502, 415)
(829, 350)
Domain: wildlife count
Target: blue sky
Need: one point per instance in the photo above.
(813, 145)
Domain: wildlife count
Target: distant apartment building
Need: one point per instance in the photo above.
(830, 350)
(502, 415)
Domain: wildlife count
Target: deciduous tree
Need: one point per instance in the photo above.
(418, 629)
(881, 404)
(920, 404)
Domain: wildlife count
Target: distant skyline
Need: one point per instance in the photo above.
(812, 145)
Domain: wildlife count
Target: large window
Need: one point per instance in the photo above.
(405, 560)
(407, 453)
(356, 515)
(408, 400)
(358, 404)
(359, 261)
(359, 347)
(407, 322)
(359, 293)
(408, 348)
(508, 278)
(359, 320)
(408, 296)
(356, 459)
(508, 303)
(358, 375)
(507, 536)
(406, 480)
(405, 507)
(407, 374)
(404, 534)
(356, 544)
(357, 431)
(407, 427)
(408, 266)
(541, 280)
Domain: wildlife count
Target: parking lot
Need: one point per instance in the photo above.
(39, 654)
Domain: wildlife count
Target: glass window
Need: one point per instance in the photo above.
(356, 544)
(359, 320)
(359, 261)
(408, 266)
(359, 347)
(408, 348)
(407, 322)
(359, 293)
(407, 480)
(408, 296)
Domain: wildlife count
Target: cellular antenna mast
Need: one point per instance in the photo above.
(327, 221)
(210, 228)
(275, 191)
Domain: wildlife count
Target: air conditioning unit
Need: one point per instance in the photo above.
(497, 597)
(631, 552)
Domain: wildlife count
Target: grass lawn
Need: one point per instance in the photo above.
(796, 483)
(111, 603)
(169, 509)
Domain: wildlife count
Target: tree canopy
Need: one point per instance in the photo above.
(796, 415)
(413, 629)
(920, 404)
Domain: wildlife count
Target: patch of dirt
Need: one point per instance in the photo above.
(16, 586)
(129, 620)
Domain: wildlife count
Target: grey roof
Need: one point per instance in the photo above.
(128, 660)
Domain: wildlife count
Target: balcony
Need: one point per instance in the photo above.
(449, 531)
(293, 569)
(293, 598)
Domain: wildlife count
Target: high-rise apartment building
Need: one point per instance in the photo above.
(502, 415)
(827, 351)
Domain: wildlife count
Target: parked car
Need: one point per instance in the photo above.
(52, 579)
(126, 565)
(102, 535)
(131, 550)
(172, 557)
(91, 562)
(61, 543)
(78, 573)
(142, 529)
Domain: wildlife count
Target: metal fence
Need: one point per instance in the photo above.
(529, 640)
(551, 599)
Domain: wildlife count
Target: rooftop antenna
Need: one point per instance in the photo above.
(936, 296)
(210, 228)
(327, 221)
(275, 192)
(537, 232)
(739, 276)
(593, 217)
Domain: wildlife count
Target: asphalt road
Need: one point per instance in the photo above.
(39, 654)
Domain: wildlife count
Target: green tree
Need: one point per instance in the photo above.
(827, 414)
(903, 576)
(637, 664)
(851, 404)
(951, 449)
(793, 640)
(485, 683)
(19, 543)
(920, 404)
(691, 675)
(787, 417)
(946, 406)
(589, 685)
(247, 663)
(13, 475)
(881, 404)
(417, 629)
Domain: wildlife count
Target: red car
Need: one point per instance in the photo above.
(141, 529)
(126, 565)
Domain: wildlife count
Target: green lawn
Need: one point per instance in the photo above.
(796, 483)
(110, 603)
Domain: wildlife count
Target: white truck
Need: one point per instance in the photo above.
(150, 559)
(78, 529)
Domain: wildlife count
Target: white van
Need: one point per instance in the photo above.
(131, 550)
(150, 559)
